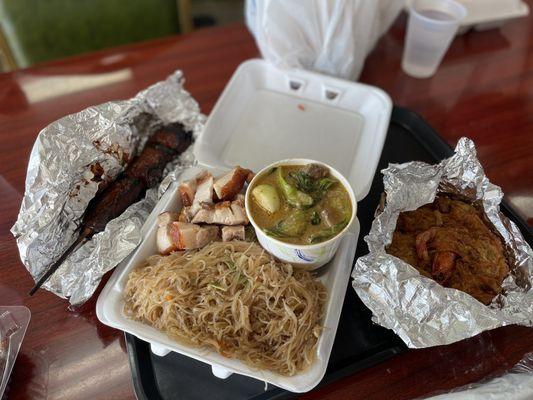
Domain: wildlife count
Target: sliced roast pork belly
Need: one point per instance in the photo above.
(191, 236)
(184, 236)
(237, 206)
(164, 237)
(187, 190)
(164, 242)
(232, 233)
(204, 192)
(250, 176)
(166, 218)
(224, 213)
(229, 185)
(185, 215)
(198, 189)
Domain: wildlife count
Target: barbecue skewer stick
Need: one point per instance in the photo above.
(145, 171)
(114, 200)
(53, 268)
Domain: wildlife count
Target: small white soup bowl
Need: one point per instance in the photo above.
(312, 256)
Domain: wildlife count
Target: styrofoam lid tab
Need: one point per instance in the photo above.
(267, 114)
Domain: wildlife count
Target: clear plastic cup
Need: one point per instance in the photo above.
(431, 28)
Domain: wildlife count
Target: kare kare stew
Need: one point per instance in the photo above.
(300, 204)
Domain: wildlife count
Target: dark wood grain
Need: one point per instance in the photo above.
(483, 90)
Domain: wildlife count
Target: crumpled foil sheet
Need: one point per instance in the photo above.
(418, 309)
(60, 184)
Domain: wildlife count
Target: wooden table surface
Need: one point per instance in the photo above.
(483, 90)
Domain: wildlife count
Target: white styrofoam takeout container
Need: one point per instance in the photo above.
(267, 114)
(310, 256)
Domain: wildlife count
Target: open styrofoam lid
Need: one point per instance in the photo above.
(267, 114)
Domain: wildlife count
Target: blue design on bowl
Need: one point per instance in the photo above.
(302, 256)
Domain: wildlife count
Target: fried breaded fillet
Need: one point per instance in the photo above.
(449, 241)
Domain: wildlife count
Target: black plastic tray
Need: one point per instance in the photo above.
(358, 343)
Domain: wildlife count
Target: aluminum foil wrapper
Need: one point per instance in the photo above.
(418, 309)
(65, 166)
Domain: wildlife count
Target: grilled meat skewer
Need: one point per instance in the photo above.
(144, 172)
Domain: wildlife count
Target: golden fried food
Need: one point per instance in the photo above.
(449, 241)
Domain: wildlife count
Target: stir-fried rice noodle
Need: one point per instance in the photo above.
(233, 297)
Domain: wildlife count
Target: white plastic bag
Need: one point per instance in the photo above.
(515, 384)
(328, 36)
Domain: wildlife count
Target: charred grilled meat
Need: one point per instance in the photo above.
(450, 242)
(143, 172)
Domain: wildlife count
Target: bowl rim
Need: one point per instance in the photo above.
(301, 161)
